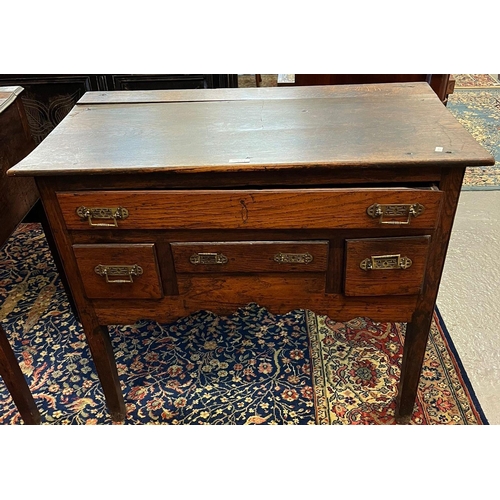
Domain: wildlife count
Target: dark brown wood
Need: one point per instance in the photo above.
(417, 330)
(49, 98)
(307, 164)
(166, 262)
(355, 127)
(97, 335)
(225, 294)
(397, 90)
(248, 209)
(306, 176)
(16, 383)
(360, 282)
(17, 195)
(37, 214)
(166, 237)
(19, 198)
(144, 286)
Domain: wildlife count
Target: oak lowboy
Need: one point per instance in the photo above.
(338, 199)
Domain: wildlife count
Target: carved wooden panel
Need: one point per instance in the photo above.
(49, 98)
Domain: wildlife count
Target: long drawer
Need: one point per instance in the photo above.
(251, 209)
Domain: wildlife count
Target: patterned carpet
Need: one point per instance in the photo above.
(478, 110)
(475, 80)
(252, 367)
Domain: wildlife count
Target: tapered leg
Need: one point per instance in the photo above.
(104, 360)
(417, 331)
(16, 383)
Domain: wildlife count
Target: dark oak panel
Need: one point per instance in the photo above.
(49, 98)
(17, 195)
(224, 295)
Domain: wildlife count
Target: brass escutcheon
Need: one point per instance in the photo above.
(118, 270)
(208, 258)
(383, 262)
(408, 211)
(102, 213)
(293, 258)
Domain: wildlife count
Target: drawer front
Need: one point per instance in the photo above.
(119, 271)
(252, 209)
(250, 257)
(385, 266)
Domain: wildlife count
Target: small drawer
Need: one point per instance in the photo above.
(250, 257)
(319, 208)
(119, 271)
(385, 266)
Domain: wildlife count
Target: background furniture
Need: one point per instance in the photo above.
(49, 98)
(17, 197)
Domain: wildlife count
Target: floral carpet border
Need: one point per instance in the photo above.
(459, 367)
(478, 110)
(356, 369)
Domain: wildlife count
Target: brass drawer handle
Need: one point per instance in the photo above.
(102, 213)
(385, 262)
(408, 211)
(119, 270)
(208, 258)
(293, 258)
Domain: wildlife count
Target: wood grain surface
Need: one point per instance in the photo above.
(17, 196)
(147, 285)
(393, 125)
(249, 209)
(374, 282)
(241, 94)
(251, 256)
(279, 294)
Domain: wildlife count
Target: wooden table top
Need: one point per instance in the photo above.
(394, 124)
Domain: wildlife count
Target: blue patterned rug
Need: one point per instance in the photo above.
(478, 110)
(251, 367)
